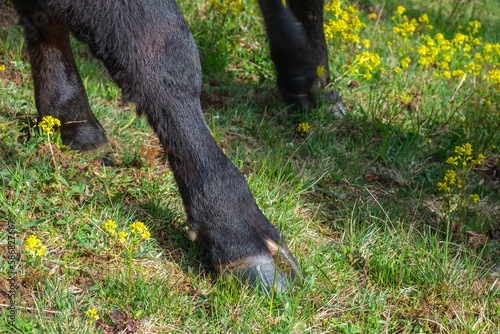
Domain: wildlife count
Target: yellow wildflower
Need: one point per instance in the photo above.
(405, 62)
(475, 198)
(460, 39)
(474, 27)
(48, 123)
(423, 50)
(346, 25)
(477, 161)
(92, 314)
(424, 19)
(494, 77)
(458, 73)
(303, 127)
(443, 186)
(122, 236)
(229, 6)
(425, 61)
(140, 228)
(473, 68)
(488, 49)
(400, 10)
(110, 227)
(465, 149)
(406, 28)
(34, 246)
(452, 161)
(477, 41)
(431, 42)
(450, 176)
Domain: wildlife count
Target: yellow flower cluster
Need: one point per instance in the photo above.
(405, 28)
(366, 62)
(234, 7)
(303, 127)
(48, 123)
(110, 227)
(344, 29)
(474, 27)
(92, 314)
(462, 56)
(405, 62)
(122, 236)
(462, 164)
(473, 68)
(140, 228)
(34, 246)
(475, 198)
(461, 39)
(405, 98)
(449, 180)
(494, 77)
(456, 57)
(135, 228)
(424, 19)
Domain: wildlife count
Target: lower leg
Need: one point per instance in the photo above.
(310, 14)
(59, 91)
(150, 53)
(298, 49)
(296, 70)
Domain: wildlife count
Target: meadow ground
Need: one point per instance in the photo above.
(393, 211)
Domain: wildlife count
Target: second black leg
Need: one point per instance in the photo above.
(59, 91)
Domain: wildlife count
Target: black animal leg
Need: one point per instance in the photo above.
(59, 90)
(298, 49)
(310, 15)
(149, 51)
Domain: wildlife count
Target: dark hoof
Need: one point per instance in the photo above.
(266, 272)
(260, 271)
(104, 153)
(82, 137)
(333, 104)
(330, 98)
(297, 101)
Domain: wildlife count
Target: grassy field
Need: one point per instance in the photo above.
(392, 235)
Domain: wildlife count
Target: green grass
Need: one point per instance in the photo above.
(356, 197)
